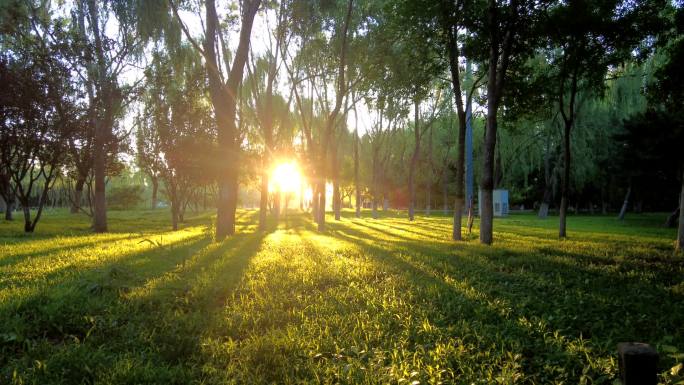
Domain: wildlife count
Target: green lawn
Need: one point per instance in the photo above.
(369, 301)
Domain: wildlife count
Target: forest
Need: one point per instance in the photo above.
(340, 191)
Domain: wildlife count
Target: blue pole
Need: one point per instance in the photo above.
(469, 140)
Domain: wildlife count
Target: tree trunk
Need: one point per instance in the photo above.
(375, 193)
(357, 185)
(99, 170)
(672, 219)
(337, 201)
(546, 200)
(445, 196)
(8, 195)
(224, 100)
(680, 230)
(565, 182)
(471, 215)
(101, 124)
(9, 207)
(174, 214)
(498, 170)
(78, 195)
(414, 162)
(28, 228)
(625, 203)
(461, 135)
(544, 207)
(277, 202)
(321, 205)
(487, 179)
(227, 201)
(428, 184)
(263, 201)
(155, 190)
(314, 202)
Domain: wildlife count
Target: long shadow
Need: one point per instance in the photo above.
(453, 306)
(56, 312)
(186, 304)
(47, 251)
(576, 301)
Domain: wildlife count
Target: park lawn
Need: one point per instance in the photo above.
(368, 301)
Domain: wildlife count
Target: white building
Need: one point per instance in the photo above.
(500, 200)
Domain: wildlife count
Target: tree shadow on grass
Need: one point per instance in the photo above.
(488, 328)
(154, 300)
(572, 301)
(54, 247)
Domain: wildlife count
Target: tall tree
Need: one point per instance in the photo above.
(224, 81)
(39, 109)
(104, 60)
(581, 53)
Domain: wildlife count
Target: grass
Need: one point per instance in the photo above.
(368, 301)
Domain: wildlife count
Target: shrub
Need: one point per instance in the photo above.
(124, 197)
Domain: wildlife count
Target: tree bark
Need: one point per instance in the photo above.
(625, 203)
(27, 217)
(428, 184)
(673, 218)
(263, 201)
(99, 170)
(565, 182)
(102, 129)
(499, 57)
(224, 100)
(357, 185)
(487, 179)
(414, 161)
(8, 195)
(174, 214)
(546, 199)
(460, 111)
(9, 207)
(78, 195)
(155, 190)
(680, 230)
(445, 196)
(337, 201)
(314, 202)
(277, 202)
(321, 204)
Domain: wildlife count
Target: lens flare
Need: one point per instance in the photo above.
(286, 177)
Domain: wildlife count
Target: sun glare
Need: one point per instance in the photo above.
(286, 177)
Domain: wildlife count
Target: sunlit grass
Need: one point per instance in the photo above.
(368, 301)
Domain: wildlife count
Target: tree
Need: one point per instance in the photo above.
(581, 53)
(224, 81)
(179, 124)
(324, 31)
(39, 109)
(504, 26)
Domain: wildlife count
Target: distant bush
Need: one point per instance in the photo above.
(124, 197)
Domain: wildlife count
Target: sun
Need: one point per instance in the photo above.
(286, 177)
